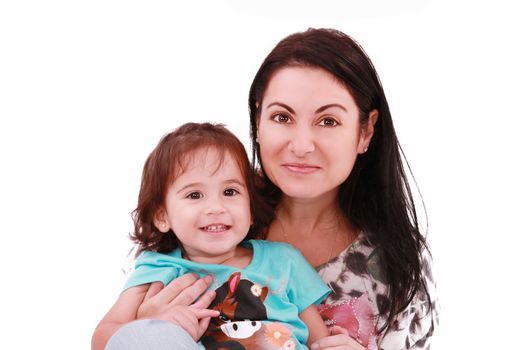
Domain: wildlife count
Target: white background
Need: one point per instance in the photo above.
(88, 88)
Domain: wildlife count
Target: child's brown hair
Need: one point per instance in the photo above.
(168, 160)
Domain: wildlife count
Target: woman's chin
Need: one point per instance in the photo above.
(304, 192)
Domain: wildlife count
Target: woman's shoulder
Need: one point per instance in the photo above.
(363, 242)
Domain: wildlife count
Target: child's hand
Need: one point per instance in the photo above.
(338, 339)
(193, 319)
(181, 291)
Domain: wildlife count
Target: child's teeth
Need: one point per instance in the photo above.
(215, 228)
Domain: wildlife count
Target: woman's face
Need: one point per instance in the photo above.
(309, 132)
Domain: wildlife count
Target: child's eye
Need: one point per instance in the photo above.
(329, 122)
(281, 118)
(230, 192)
(194, 195)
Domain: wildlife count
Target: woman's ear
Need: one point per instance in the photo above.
(367, 131)
(160, 220)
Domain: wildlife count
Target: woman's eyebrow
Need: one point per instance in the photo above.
(288, 108)
(319, 110)
(336, 105)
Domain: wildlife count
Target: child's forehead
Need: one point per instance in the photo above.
(207, 156)
(209, 159)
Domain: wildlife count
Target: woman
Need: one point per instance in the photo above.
(331, 165)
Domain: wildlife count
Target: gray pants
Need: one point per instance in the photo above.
(151, 335)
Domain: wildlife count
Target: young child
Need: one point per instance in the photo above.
(198, 212)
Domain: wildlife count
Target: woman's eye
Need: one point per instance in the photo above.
(328, 122)
(281, 118)
(194, 195)
(230, 192)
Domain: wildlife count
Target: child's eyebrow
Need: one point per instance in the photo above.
(235, 181)
(193, 184)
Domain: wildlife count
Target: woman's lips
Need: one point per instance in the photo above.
(299, 168)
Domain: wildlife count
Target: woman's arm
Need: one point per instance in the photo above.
(416, 325)
(313, 320)
(320, 337)
(338, 339)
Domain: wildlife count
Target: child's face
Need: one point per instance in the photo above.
(208, 208)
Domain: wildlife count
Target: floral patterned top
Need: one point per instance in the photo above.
(358, 293)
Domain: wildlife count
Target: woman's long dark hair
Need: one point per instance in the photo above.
(376, 197)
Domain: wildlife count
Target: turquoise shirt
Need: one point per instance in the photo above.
(278, 284)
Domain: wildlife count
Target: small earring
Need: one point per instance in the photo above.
(366, 149)
(256, 140)
(163, 225)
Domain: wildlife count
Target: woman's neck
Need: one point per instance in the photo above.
(316, 227)
(303, 216)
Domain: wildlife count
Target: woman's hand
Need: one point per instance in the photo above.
(337, 340)
(183, 291)
(176, 303)
(192, 319)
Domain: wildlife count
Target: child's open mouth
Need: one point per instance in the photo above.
(215, 228)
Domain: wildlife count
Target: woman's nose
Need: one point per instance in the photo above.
(302, 142)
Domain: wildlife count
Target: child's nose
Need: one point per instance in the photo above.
(215, 207)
